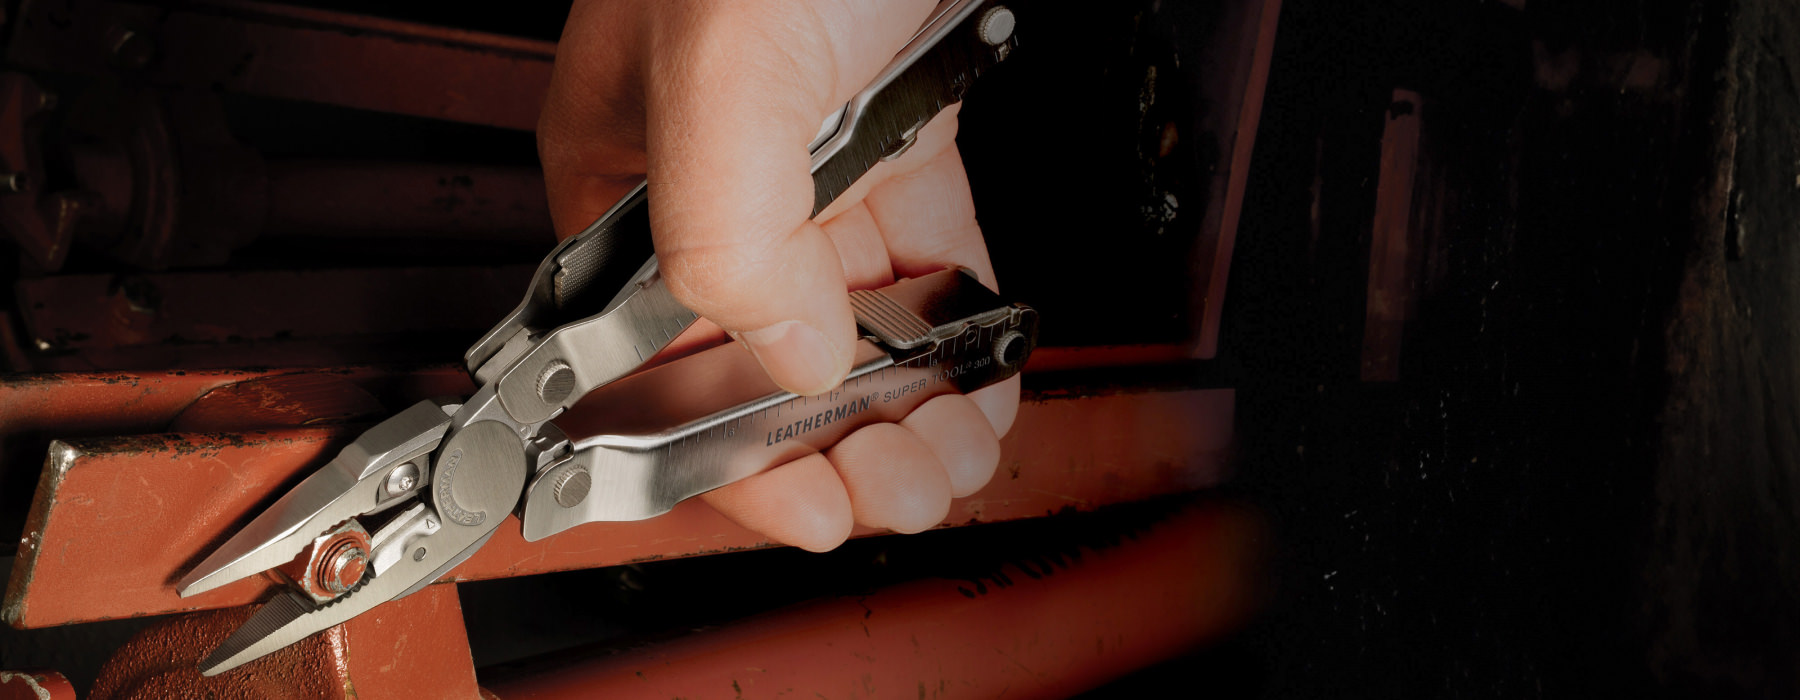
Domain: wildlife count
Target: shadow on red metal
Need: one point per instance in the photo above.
(1039, 630)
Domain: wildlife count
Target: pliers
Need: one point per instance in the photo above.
(420, 492)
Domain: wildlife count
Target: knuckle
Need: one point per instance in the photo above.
(721, 278)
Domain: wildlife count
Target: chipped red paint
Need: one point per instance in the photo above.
(280, 401)
(152, 505)
(148, 506)
(35, 685)
(411, 648)
(78, 404)
(1050, 631)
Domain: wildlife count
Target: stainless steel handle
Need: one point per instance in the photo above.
(649, 441)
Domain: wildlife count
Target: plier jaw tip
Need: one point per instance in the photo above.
(314, 538)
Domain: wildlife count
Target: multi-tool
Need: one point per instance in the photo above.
(421, 491)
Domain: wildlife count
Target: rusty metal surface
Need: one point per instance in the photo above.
(293, 53)
(79, 404)
(151, 505)
(415, 647)
(1048, 627)
(157, 179)
(261, 318)
(29, 215)
(306, 398)
(318, 573)
(136, 503)
(331, 199)
(35, 685)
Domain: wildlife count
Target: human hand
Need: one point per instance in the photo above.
(717, 103)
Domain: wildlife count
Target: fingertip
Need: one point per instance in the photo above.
(958, 433)
(799, 357)
(893, 479)
(802, 503)
(1000, 403)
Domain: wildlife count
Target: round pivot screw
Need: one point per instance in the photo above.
(556, 382)
(572, 487)
(401, 480)
(996, 25)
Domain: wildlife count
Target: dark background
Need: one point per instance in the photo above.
(1584, 481)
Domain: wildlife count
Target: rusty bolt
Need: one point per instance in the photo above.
(342, 567)
(332, 565)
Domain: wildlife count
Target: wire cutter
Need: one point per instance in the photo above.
(420, 492)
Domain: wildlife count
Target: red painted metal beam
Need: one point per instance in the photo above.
(294, 53)
(1039, 631)
(259, 318)
(79, 404)
(415, 647)
(35, 685)
(150, 506)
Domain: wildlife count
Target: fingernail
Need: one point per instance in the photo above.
(796, 355)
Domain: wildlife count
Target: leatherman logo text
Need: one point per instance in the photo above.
(446, 499)
(820, 419)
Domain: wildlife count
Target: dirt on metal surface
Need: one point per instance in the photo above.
(163, 661)
(413, 647)
(289, 400)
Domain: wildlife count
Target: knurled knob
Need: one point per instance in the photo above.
(996, 25)
(572, 487)
(556, 382)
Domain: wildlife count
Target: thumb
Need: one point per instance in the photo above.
(735, 92)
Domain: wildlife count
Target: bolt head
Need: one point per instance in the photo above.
(572, 486)
(556, 382)
(400, 481)
(341, 570)
(334, 563)
(996, 25)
